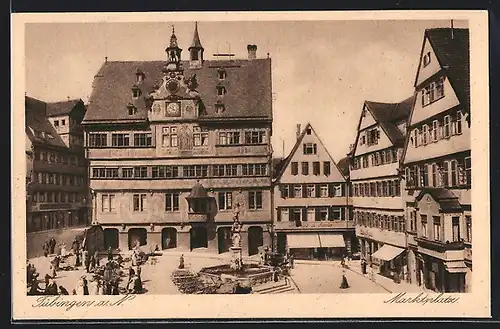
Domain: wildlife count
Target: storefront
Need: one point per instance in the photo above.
(442, 276)
(390, 261)
(318, 246)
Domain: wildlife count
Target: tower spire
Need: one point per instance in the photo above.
(196, 49)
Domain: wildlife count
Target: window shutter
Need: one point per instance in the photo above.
(316, 214)
(330, 214)
(291, 191)
(343, 190)
(315, 149)
(317, 190)
(342, 213)
(282, 190)
(304, 214)
(290, 214)
(278, 215)
(304, 148)
(330, 190)
(304, 190)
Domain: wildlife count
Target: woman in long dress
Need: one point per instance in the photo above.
(93, 287)
(80, 287)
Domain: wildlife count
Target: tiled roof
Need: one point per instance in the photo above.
(453, 55)
(38, 128)
(62, 108)
(277, 164)
(248, 84)
(446, 199)
(343, 165)
(387, 115)
(196, 38)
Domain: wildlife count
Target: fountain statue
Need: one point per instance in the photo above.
(236, 263)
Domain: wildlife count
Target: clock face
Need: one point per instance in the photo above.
(173, 109)
(173, 86)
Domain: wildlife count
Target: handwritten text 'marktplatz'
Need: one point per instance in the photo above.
(67, 304)
(422, 299)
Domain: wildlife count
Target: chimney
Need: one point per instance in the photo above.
(252, 51)
(298, 130)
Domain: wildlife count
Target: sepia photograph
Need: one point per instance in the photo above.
(184, 154)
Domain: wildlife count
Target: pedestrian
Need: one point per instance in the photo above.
(131, 275)
(45, 248)
(86, 260)
(96, 258)
(100, 287)
(93, 286)
(64, 252)
(181, 262)
(137, 284)
(291, 261)
(79, 290)
(35, 288)
(63, 291)
(92, 263)
(53, 268)
(52, 245)
(138, 272)
(51, 288)
(363, 266)
(344, 284)
(85, 286)
(75, 246)
(114, 288)
(78, 261)
(110, 253)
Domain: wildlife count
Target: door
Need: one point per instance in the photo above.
(255, 239)
(224, 239)
(168, 238)
(111, 238)
(137, 237)
(198, 237)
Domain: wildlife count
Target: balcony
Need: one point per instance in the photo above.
(439, 246)
(316, 225)
(198, 217)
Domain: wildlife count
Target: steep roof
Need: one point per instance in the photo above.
(343, 165)
(277, 164)
(387, 115)
(248, 84)
(38, 128)
(62, 108)
(452, 52)
(284, 164)
(196, 38)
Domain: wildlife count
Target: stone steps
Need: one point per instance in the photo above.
(274, 287)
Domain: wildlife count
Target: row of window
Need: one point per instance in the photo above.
(432, 92)
(310, 214)
(439, 129)
(316, 166)
(58, 179)
(436, 227)
(387, 188)
(55, 157)
(52, 220)
(311, 190)
(369, 137)
(170, 138)
(378, 158)
(448, 173)
(140, 201)
(190, 171)
(58, 197)
(383, 222)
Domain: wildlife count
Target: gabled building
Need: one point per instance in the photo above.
(56, 180)
(437, 165)
(376, 185)
(177, 146)
(312, 219)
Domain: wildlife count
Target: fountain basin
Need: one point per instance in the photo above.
(250, 274)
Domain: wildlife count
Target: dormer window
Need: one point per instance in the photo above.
(221, 90)
(427, 59)
(131, 109)
(219, 108)
(139, 75)
(308, 131)
(222, 74)
(136, 92)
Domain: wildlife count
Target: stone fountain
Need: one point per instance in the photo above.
(237, 258)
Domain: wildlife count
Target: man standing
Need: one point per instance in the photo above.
(52, 245)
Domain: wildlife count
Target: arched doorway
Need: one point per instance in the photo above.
(224, 239)
(111, 238)
(255, 239)
(137, 237)
(198, 237)
(168, 238)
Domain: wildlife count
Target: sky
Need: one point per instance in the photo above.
(322, 71)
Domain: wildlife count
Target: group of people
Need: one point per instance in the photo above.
(49, 247)
(51, 287)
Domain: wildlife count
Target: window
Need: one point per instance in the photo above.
(425, 171)
(255, 200)
(97, 140)
(229, 138)
(363, 139)
(120, 140)
(373, 136)
(221, 90)
(169, 137)
(255, 137)
(108, 203)
(285, 191)
(324, 191)
(98, 173)
(219, 108)
(165, 171)
(139, 202)
(468, 171)
(337, 190)
(111, 172)
(63, 122)
(311, 191)
(200, 136)
(316, 168)
(439, 88)
(309, 130)
(336, 213)
(446, 129)
(254, 169)
(310, 148)
(468, 227)
(427, 59)
(143, 139)
(454, 173)
(364, 159)
(197, 170)
(413, 219)
(437, 227)
(141, 172)
(455, 227)
(297, 191)
(305, 168)
(326, 168)
(295, 168)
(435, 182)
(131, 108)
(284, 214)
(322, 214)
(423, 219)
(172, 201)
(56, 123)
(311, 214)
(225, 200)
(458, 124)
(127, 172)
(425, 134)
(444, 174)
(222, 74)
(296, 215)
(434, 131)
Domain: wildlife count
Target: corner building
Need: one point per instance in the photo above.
(176, 145)
(437, 165)
(376, 185)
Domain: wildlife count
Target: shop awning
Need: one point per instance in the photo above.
(331, 240)
(456, 267)
(387, 252)
(303, 240)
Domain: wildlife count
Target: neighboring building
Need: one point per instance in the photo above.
(310, 199)
(57, 192)
(177, 146)
(376, 185)
(437, 165)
